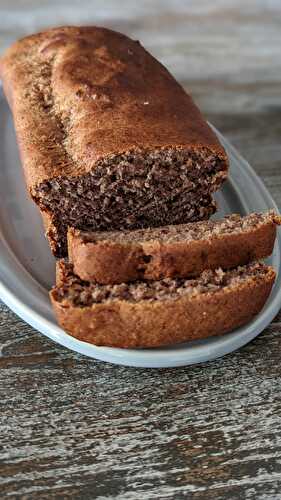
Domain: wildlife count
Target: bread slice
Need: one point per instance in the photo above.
(108, 138)
(172, 251)
(156, 313)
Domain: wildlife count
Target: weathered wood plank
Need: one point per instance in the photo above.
(66, 419)
(71, 427)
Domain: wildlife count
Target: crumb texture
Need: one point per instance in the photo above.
(205, 230)
(82, 216)
(82, 294)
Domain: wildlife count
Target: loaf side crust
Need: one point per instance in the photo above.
(157, 323)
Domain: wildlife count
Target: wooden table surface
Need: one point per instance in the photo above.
(71, 427)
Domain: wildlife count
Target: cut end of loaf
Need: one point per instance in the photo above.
(201, 209)
(78, 293)
(135, 190)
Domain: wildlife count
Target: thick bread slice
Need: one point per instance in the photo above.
(150, 314)
(173, 251)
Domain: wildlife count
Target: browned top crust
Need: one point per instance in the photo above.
(79, 94)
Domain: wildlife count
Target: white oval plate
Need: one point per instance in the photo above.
(27, 268)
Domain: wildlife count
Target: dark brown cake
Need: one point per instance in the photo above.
(182, 251)
(108, 138)
(155, 313)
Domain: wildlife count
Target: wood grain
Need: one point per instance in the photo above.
(75, 428)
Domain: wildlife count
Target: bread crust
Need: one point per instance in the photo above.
(69, 88)
(157, 323)
(108, 262)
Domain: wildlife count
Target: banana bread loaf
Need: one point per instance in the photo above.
(108, 139)
(181, 251)
(155, 313)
